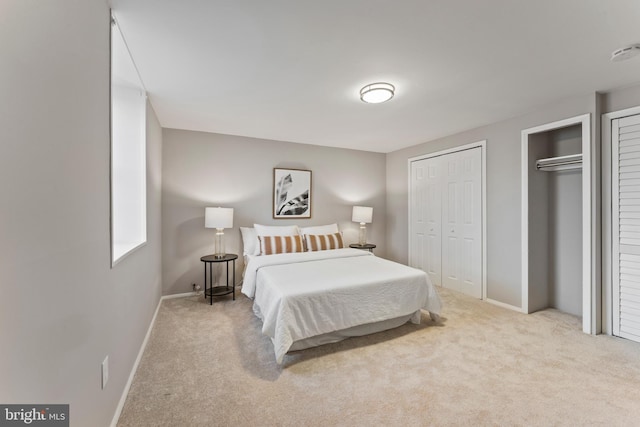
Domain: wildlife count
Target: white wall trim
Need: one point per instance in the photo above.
(125, 392)
(607, 215)
(182, 295)
(448, 151)
(589, 225)
(483, 188)
(524, 220)
(484, 218)
(504, 305)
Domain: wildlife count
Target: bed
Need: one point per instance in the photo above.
(306, 299)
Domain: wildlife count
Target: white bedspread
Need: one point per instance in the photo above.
(302, 295)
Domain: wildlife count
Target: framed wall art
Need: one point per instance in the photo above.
(291, 193)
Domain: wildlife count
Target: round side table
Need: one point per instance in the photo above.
(367, 246)
(216, 291)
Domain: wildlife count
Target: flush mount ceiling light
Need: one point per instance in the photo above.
(625, 53)
(376, 93)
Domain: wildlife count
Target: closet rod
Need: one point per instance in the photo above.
(573, 161)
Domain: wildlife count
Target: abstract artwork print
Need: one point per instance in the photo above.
(291, 193)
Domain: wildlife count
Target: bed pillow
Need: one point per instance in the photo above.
(250, 243)
(320, 229)
(322, 242)
(276, 230)
(270, 245)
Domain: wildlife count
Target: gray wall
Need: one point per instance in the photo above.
(620, 99)
(204, 169)
(503, 192)
(62, 307)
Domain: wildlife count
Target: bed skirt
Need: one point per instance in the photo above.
(355, 331)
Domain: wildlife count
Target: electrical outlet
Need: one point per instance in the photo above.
(105, 372)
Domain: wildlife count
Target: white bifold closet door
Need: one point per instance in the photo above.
(426, 205)
(446, 219)
(626, 227)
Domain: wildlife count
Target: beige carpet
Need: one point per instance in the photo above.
(481, 365)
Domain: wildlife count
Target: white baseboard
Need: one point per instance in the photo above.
(182, 295)
(503, 305)
(125, 392)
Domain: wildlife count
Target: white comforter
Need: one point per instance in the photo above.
(306, 294)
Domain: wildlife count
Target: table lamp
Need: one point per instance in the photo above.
(363, 215)
(218, 218)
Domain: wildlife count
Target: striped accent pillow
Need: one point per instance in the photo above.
(270, 245)
(322, 242)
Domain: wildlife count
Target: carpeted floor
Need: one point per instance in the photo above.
(480, 365)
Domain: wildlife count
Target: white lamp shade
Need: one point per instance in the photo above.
(218, 217)
(362, 214)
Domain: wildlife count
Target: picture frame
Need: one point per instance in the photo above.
(291, 193)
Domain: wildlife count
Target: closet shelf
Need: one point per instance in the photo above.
(551, 164)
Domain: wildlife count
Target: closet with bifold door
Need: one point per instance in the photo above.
(626, 226)
(555, 247)
(445, 218)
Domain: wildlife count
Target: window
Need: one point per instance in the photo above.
(128, 151)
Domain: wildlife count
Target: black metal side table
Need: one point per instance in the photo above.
(216, 291)
(367, 246)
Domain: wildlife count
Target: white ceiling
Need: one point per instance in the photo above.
(291, 70)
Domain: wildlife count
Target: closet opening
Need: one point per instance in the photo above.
(555, 220)
(558, 228)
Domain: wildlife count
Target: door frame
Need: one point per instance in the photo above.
(591, 285)
(483, 189)
(607, 215)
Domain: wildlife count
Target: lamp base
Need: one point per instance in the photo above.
(362, 236)
(219, 244)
